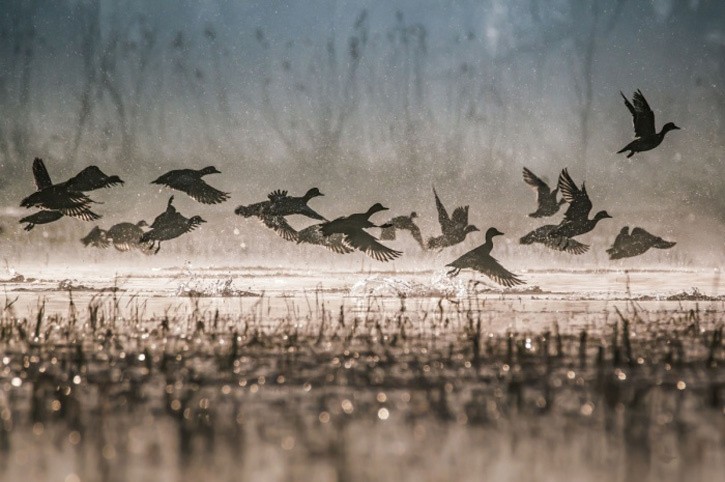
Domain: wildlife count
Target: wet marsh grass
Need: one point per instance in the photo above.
(299, 387)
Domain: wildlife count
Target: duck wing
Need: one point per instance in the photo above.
(641, 236)
(280, 226)
(40, 174)
(443, 219)
(542, 189)
(642, 115)
(415, 232)
(369, 245)
(313, 235)
(189, 182)
(460, 216)
(90, 179)
(493, 269)
(578, 199)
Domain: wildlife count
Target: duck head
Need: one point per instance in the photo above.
(171, 200)
(670, 126)
(314, 192)
(602, 215)
(142, 224)
(471, 228)
(377, 207)
(413, 215)
(210, 170)
(624, 230)
(115, 180)
(491, 233)
(196, 220)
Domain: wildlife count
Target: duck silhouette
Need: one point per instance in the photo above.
(279, 204)
(190, 181)
(454, 228)
(542, 235)
(41, 217)
(646, 137)
(169, 225)
(353, 227)
(547, 205)
(627, 245)
(97, 237)
(282, 204)
(57, 197)
(403, 223)
(127, 236)
(576, 218)
(480, 259)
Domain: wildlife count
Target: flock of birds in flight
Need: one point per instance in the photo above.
(348, 233)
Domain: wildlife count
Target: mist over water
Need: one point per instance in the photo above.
(371, 102)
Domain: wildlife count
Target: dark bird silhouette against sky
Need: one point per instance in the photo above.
(627, 245)
(190, 181)
(169, 225)
(403, 223)
(353, 227)
(546, 203)
(646, 136)
(576, 218)
(480, 259)
(453, 228)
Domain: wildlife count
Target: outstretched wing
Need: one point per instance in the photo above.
(578, 199)
(40, 173)
(460, 216)
(367, 243)
(491, 268)
(204, 193)
(443, 218)
(542, 189)
(280, 226)
(415, 232)
(642, 115)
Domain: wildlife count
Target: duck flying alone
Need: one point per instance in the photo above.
(627, 245)
(576, 218)
(353, 227)
(453, 228)
(169, 225)
(646, 137)
(547, 204)
(403, 223)
(480, 259)
(190, 181)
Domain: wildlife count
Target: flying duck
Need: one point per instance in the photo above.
(97, 238)
(281, 204)
(547, 205)
(646, 137)
(559, 243)
(480, 259)
(190, 182)
(57, 197)
(90, 179)
(127, 236)
(352, 228)
(628, 245)
(169, 225)
(576, 218)
(41, 217)
(404, 223)
(454, 228)
(313, 235)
